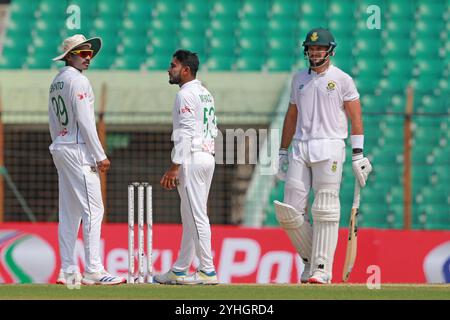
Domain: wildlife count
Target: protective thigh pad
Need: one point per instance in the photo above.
(287, 216)
(326, 206)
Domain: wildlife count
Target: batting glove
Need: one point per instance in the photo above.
(361, 168)
(283, 164)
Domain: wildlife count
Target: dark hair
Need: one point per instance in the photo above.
(188, 59)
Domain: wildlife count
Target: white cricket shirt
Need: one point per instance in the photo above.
(71, 112)
(194, 121)
(320, 103)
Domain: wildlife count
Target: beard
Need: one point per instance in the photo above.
(174, 79)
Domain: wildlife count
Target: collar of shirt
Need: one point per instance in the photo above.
(315, 74)
(187, 84)
(69, 68)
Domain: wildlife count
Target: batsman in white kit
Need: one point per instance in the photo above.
(192, 169)
(78, 156)
(322, 97)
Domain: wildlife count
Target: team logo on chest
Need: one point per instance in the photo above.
(331, 86)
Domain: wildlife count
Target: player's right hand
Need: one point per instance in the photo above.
(283, 164)
(103, 165)
(361, 168)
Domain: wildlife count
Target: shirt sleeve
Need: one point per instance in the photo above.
(349, 92)
(84, 115)
(292, 98)
(184, 129)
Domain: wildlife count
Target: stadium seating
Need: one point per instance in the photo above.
(412, 48)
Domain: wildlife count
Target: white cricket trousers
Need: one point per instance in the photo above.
(195, 179)
(80, 199)
(318, 242)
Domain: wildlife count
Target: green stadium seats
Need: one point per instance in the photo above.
(19, 26)
(342, 10)
(288, 9)
(135, 26)
(52, 10)
(249, 63)
(386, 173)
(401, 9)
(396, 216)
(440, 175)
(14, 61)
(167, 8)
(23, 8)
(158, 62)
(42, 61)
(220, 63)
(196, 8)
(282, 27)
(431, 9)
(228, 8)
(437, 216)
(102, 61)
(373, 215)
(368, 48)
(281, 46)
(133, 44)
(255, 8)
(16, 45)
(280, 63)
(341, 27)
(194, 43)
(433, 195)
(190, 27)
(316, 11)
(139, 9)
(110, 9)
(222, 26)
(394, 83)
(398, 29)
(128, 62)
(366, 84)
(345, 63)
(252, 27)
(163, 45)
(222, 46)
(252, 45)
(441, 156)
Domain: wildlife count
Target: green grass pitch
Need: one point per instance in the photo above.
(228, 292)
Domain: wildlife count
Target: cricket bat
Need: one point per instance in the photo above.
(352, 243)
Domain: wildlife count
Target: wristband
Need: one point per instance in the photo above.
(357, 141)
(283, 151)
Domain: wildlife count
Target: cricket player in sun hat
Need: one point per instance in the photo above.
(322, 97)
(78, 156)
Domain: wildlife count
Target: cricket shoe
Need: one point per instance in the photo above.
(304, 278)
(170, 277)
(200, 277)
(319, 278)
(64, 278)
(102, 278)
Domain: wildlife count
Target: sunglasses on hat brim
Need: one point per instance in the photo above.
(83, 53)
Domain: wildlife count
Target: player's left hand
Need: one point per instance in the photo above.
(170, 180)
(361, 168)
(103, 165)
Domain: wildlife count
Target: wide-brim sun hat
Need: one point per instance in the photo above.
(77, 40)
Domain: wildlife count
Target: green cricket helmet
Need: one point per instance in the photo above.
(319, 37)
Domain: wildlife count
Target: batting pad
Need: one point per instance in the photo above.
(326, 213)
(299, 232)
